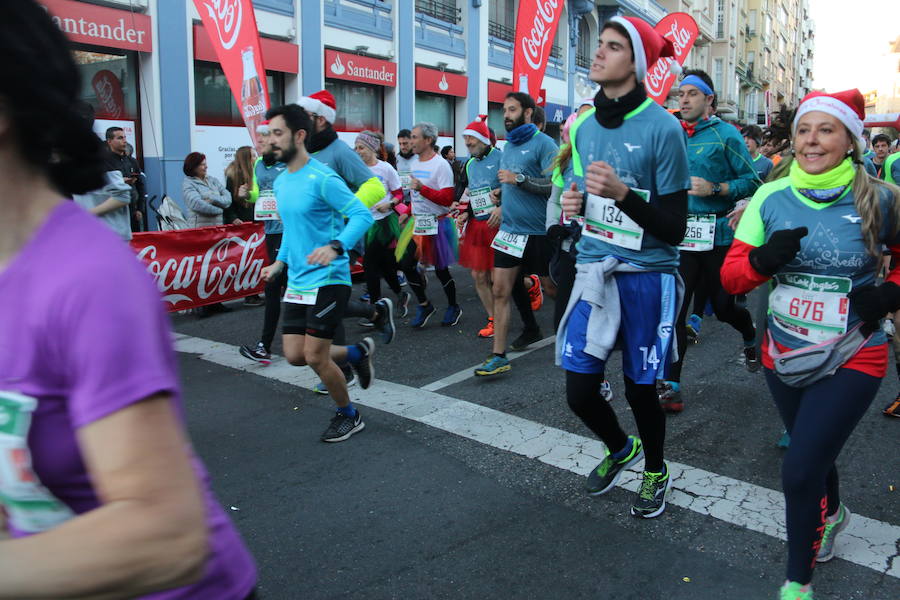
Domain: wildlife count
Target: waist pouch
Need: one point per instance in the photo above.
(805, 366)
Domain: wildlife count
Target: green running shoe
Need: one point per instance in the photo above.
(605, 476)
(826, 549)
(794, 591)
(493, 365)
(651, 497)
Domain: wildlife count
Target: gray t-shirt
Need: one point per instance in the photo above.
(117, 219)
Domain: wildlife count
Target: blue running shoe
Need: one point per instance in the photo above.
(423, 313)
(493, 365)
(451, 316)
(693, 328)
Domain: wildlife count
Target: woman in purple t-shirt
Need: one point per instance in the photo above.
(102, 493)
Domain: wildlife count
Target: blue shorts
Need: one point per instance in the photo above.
(648, 302)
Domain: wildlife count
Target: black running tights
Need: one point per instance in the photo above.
(415, 279)
(702, 269)
(380, 263)
(819, 419)
(583, 394)
(273, 293)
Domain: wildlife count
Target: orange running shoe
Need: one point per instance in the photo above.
(488, 331)
(535, 293)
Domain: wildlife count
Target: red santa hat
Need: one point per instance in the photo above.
(321, 103)
(478, 129)
(648, 45)
(263, 128)
(848, 107)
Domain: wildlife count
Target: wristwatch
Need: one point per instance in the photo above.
(716, 189)
(337, 246)
(520, 178)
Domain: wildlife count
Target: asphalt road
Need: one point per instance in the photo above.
(410, 510)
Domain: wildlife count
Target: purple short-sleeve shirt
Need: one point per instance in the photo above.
(84, 334)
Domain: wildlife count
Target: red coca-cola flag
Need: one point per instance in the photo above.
(535, 29)
(110, 98)
(194, 267)
(231, 26)
(682, 30)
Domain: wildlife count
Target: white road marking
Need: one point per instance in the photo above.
(469, 373)
(866, 542)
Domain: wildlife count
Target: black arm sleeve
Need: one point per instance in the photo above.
(541, 186)
(462, 182)
(666, 219)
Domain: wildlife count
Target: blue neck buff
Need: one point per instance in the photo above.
(698, 83)
(521, 134)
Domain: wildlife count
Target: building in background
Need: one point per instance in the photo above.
(149, 66)
(887, 96)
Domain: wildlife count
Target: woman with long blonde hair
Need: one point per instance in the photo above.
(818, 234)
(239, 182)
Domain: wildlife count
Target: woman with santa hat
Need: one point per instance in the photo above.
(817, 235)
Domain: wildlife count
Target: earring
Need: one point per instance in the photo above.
(850, 151)
(792, 151)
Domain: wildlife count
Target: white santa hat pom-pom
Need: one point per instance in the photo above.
(675, 68)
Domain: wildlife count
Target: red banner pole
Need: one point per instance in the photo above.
(231, 26)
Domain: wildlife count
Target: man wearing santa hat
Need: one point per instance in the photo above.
(325, 146)
(628, 153)
(722, 173)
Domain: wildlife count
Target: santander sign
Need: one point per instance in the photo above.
(535, 27)
(682, 30)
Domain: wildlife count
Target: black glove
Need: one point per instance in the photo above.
(557, 233)
(872, 302)
(781, 249)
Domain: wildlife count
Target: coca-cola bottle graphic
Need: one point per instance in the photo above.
(253, 104)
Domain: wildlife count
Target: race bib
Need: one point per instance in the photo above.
(700, 234)
(606, 221)
(404, 179)
(425, 225)
(30, 506)
(266, 207)
(510, 243)
(813, 308)
(307, 297)
(481, 203)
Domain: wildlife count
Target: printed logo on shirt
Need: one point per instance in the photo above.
(630, 147)
(569, 349)
(664, 330)
(489, 166)
(852, 218)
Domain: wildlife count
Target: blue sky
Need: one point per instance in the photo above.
(850, 36)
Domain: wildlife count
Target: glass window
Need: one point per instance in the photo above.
(502, 18)
(495, 120)
(109, 82)
(213, 101)
(717, 77)
(586, 45)
(360, 106)
(433, 108)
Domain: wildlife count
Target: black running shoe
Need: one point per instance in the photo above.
(751, 358)
(342, 427)
(527, 338)
(384, 320)
(605, 475)
(259, 354)
(651, 497)
(403, 303)
(365, 372)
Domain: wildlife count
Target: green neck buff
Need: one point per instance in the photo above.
(824, 187)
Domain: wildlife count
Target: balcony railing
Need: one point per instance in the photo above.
(508, 34)
(443, 10)
(582, 61)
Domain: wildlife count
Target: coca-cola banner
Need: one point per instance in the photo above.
(535, 28)
(682, 30)
(231, 26)
(194, 267)
(110, 98)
